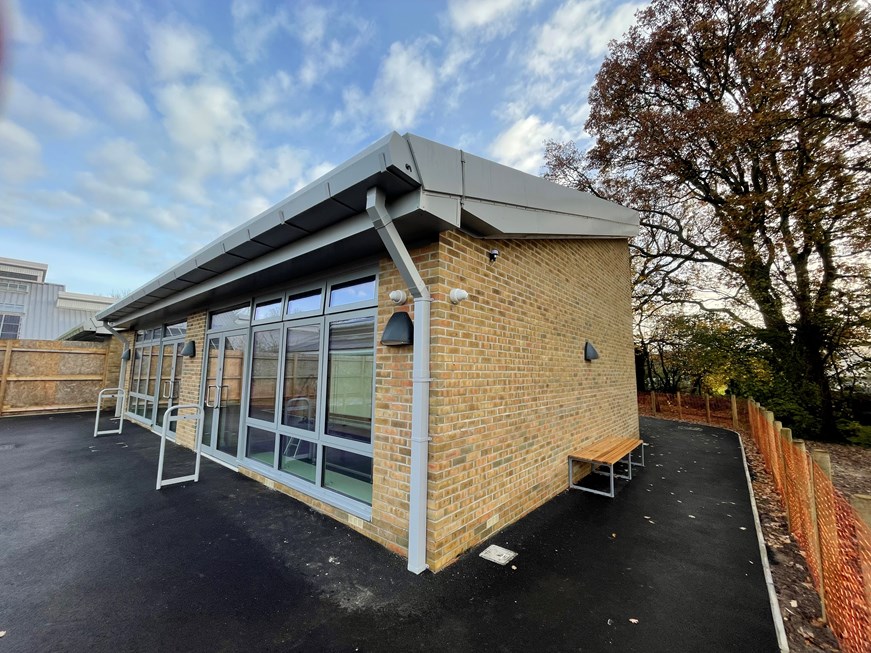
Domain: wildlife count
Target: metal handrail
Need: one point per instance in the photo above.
(110, 393)
(168, 417)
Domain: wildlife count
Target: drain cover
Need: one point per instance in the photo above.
(498, 555)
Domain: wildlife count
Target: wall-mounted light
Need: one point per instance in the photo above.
(126, 355)
(399, 330)
(190, 349)
(493, 254)
(457, 295)
(590, 353)
(398, 296)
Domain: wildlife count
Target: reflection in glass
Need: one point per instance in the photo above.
(264, 375)
(350, 370)
(298, 457)
(261, 446)
(209, 390)
(304, 302)
(299, 400)
(348, 473)
(231, 395)
(175, 330)
(351, 292)
(267, 310)
(153, 359)
(235, 317)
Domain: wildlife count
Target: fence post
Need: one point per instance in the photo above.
(785, 437)
(735, 413)
(862, 505)
(708, 407)
(771, 454)
(653, 402)
(824, 462)
(7, 361)
(679, 409)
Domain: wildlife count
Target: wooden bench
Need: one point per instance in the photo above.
(606, 452)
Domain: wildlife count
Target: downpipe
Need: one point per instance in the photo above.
(377, 210)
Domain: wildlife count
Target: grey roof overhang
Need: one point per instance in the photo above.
(429, 188)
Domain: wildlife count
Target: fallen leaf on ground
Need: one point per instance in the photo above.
(634, 621)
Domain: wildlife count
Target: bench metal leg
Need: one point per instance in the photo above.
(593, 466)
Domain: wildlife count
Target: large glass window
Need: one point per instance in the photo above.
(264, 374)
(350, 371)
(312, 380)
(301, 363)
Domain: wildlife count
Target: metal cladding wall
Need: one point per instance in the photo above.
(41, 318)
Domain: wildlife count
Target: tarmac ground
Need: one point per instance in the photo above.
(93, 558)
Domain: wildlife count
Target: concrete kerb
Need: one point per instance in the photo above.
(763, 554)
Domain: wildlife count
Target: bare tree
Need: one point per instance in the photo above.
(741, 130)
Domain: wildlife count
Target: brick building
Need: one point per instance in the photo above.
(401, 344)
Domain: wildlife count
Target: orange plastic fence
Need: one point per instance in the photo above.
(834, 538)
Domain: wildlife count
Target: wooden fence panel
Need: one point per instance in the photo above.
(41, 376)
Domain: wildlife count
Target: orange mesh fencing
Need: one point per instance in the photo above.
(836, 542)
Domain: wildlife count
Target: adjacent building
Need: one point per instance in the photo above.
(32, 309)
(408, 344)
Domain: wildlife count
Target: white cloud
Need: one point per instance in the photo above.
(115, 95)
(324, 53)
(489, 17)
(285, 167)
(105, 192)
(98, 27)
(22, 29)
(206, 122)
(521, 146)
(175, 51)
(20, 153)
(578, 29)
(271, 92)
(254, 27)
(404, 87)
(28, 106)
(120, 163)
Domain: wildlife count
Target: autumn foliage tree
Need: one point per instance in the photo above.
(741, 131)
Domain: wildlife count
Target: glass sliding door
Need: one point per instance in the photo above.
(169, 383)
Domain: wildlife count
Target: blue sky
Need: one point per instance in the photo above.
(132, 133)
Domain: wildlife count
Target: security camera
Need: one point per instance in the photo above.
(493, 253)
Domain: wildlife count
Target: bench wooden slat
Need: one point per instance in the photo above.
(607, 451)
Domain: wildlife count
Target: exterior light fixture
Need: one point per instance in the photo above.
(399, 330)
(590, 353)
(398, 297)
(126, 355)
(457, 295)
(190, 349)
(492, 254)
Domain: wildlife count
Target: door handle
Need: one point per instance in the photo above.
(220, 401)
(166, 394)
(214, 401)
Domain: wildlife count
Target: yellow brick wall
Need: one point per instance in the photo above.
(511, 393)
(191, 376)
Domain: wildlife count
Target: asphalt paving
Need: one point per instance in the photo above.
(93, 558)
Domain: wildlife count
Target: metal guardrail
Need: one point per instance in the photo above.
(109, 393)
(168, 418)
